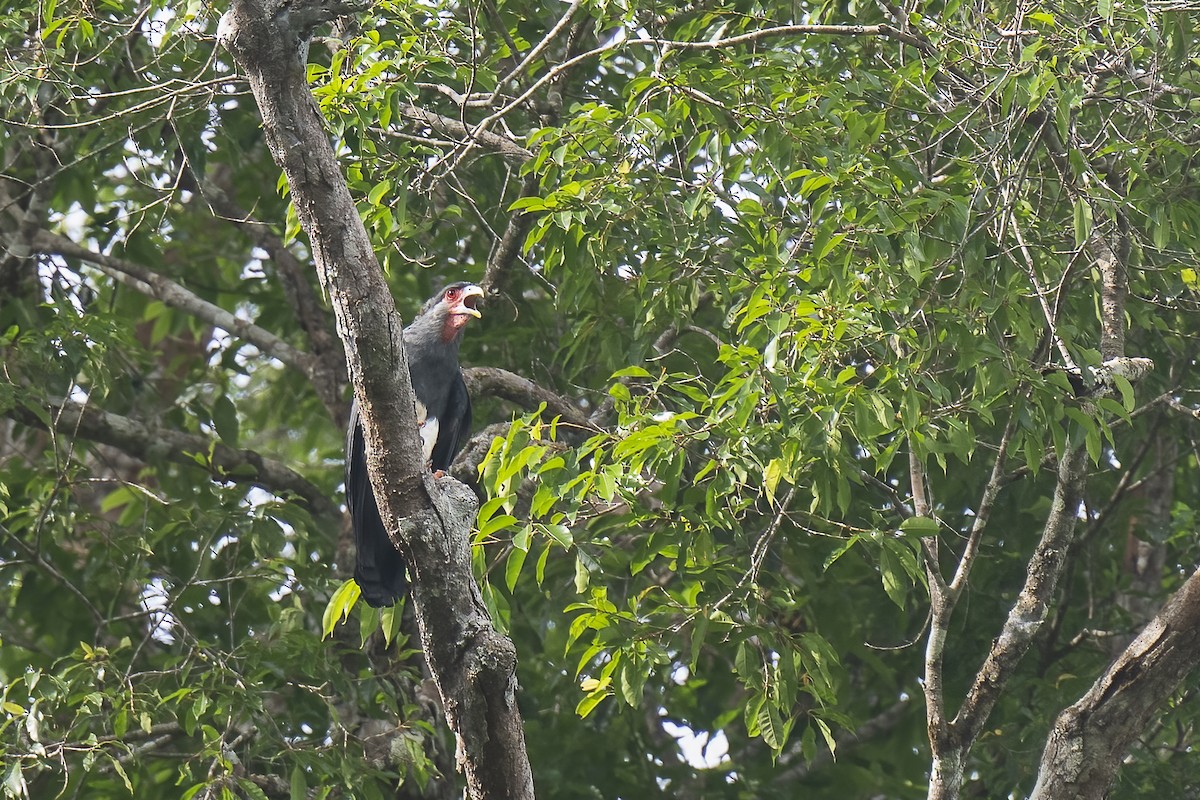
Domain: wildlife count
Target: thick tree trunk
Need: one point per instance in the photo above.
(473, 665)
(1090, 739)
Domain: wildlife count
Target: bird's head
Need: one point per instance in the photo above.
(453, 307)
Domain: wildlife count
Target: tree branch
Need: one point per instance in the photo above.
(508, 249)
(172, 294)
(1029, 612)
(1091, 738)
(1114, 287)
(947, 760)
(448, 126)
(538, 49)
(510, 386)
(984, 513)
(159, 444)
(473, 665)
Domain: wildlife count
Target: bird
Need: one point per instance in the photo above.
(444, 420)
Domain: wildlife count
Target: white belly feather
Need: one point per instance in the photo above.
(429, 430)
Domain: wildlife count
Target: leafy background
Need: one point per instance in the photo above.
(765, 266)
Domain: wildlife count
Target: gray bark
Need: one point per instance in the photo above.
(1090, 739)
(473, 665)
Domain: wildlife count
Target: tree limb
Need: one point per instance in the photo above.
(508, 249)
(448, 126)
(1029, 612)
(510, 386)
(473, 665)
(540, 47)
(1091, 738)
(164, 444)
(154, 285)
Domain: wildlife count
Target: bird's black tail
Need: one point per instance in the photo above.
(379, 569)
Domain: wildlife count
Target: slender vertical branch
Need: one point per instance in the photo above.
(947, 761)
(983, 514)
(1114, 288)
(1028, 614)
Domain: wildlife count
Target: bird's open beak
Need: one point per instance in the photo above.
(466, 304)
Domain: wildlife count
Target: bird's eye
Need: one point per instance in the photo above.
(452, 294)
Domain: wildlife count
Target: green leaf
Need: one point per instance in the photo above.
(368, 623)
(823, 727)
(299, 785)
(389, 620)
(920, 526)
(495, 525)
(771, 477)
(582, 575)
(339, 606)
(124, 776)
(1126, 390)
(561, 535)
(512, 567)
(632, 681)
(378, 191)
(808, 744)
(225, 420)
(770, 726)
(891, 571)
(751, 714)
(540, 569)
(699, 631)
(841, 551)
(251, 789)
(1083, 221)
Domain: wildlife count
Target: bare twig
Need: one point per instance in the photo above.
(552, 74)
(541, 46)
(508, 249)
(50, 569)
(983, 514)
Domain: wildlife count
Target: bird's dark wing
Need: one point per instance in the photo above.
(454, 425)
(379, 569)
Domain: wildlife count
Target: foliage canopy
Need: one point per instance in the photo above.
(791, 277)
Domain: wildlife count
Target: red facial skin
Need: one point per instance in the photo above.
(461, 302)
